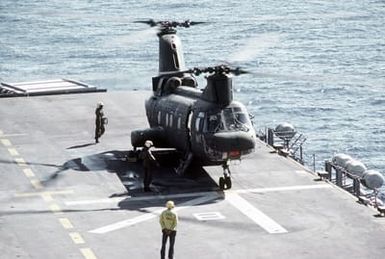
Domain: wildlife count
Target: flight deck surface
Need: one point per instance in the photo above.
(62, 196)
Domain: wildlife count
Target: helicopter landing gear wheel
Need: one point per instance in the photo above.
(221, 183)
(228, 182)
(225, 180)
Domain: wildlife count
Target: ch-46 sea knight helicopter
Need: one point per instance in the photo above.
(205, 125)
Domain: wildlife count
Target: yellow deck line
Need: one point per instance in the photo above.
(28, 172)
(47, 197)
(66, 223)
(6, 142)
(30, 194)
(87, 253)
(20, 161)
(13, 152)
(36, 184)
(77, 238)
(55, 209)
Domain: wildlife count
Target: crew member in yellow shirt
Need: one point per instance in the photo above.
(168, 221)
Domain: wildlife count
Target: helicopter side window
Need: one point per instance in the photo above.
(166, 119)
(214, 123)
(171, 119)
(179, 121)
(159, 117)
(199, 122)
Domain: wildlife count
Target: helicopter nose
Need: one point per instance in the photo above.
(230, 141)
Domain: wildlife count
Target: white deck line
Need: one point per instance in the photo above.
(145, 198)
(284, 188)
(255, 214)
(148, 216)
(195, 194)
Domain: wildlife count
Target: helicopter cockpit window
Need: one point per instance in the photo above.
(230, 119)
(236, 119)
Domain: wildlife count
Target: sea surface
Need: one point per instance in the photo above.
(317, 64)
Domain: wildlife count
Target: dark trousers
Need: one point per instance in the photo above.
(147, 177)
(171, 235)
(99, 131)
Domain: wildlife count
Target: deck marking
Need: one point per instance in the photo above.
(254, 214)
(28, 172)
(47, 197)
(209, 216)
(36, 184)
(30, 194)
(96, 201)
(146, 198)
(195, 194)
(284, 188)
(87, 253)
(13, 152)
(55, 209)
(77, 238)
(20, 161)
(151, 215)
(66, 223)
(6, 142)
(14, 135)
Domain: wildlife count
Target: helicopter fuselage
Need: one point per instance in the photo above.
(214, 134)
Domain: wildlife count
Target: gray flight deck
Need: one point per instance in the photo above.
(62, 196)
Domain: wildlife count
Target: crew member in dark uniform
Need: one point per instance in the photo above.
(149, 162)
(99, 121)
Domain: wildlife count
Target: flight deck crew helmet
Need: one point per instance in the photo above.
(100, 104)
(170, 205)
(148, 143)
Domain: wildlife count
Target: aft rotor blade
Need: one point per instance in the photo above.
(196, 23)
(150, 22)
(254, 46)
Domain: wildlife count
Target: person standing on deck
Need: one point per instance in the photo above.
(168, 221)
(149, 162)
(100, 121)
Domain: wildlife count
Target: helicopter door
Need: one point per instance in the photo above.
(180, 132)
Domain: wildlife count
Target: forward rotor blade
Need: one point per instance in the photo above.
(253, 46)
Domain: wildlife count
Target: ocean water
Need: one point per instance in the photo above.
(319, 65)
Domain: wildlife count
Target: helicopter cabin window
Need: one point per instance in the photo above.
(214, 123)
(171, 119)
(159, 116)
(199, 121)
(167, 119)
(179, 122)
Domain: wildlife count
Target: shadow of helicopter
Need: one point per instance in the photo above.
(165, 180)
